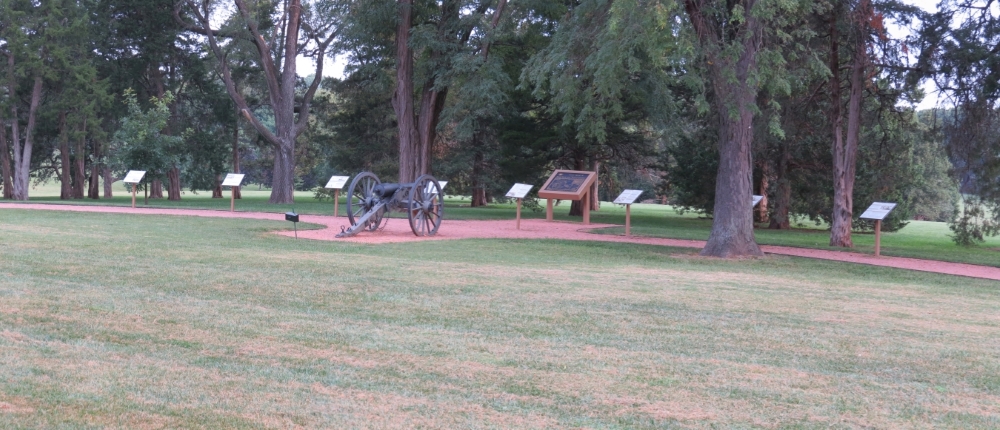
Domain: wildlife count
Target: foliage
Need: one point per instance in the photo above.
(140, 144)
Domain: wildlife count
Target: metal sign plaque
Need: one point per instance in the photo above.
(627, 197)
(134, 176)
(430, 187)
(878, 211)
(233, 180)
(567, 185)
(519, 191)
(756, 200)
(337, 182)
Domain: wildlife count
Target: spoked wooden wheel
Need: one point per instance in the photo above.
(425, 206)
(361, 199)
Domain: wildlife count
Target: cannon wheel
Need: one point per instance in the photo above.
(361, 199)
(426, 207)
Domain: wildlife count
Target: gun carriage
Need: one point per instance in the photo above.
(368, 201)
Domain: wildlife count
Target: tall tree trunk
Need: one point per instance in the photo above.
(478, 185)
(402, 98)
(80, 163)
(8, 186)
(735, 87)
(174, 183)
(93, 191)
(845, 150)
(155, 189)
(22, 153)
(217, 190)
(782, 193)
(109, 182)
(65, 180)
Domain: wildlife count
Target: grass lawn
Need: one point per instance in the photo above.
(919, 239)
(111, 320)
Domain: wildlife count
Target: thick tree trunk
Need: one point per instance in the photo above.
(845, 150)
(155, 189)
(8, 186)
(65, 181)
(282, 183)
(80, 163)
(174, 183)
(734, 85)
(109, 182)
(732, 221)
(22, 153)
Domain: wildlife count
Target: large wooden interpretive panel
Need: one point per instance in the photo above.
(568, 185)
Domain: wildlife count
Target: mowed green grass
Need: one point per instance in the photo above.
(127, 321)
(919, 239)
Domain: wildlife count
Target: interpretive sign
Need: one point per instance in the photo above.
(337, 182)
(878, 211)
(134, 176)
(627, 197)
(430, 187)
(519, 191)
(756, 200)
(233, 180)
(567, 185)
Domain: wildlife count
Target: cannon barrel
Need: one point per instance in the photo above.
(385, 190)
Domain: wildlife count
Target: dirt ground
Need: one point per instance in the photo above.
(398, 230)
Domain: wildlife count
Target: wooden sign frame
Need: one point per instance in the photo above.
(627, 198)
(233, 181)
(568, 185)
(519, 191)
(134, 177)
(332, 184)
(878, 211)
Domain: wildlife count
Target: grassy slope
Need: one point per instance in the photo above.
(142, 321)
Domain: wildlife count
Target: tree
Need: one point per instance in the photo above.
(309, 30)
(140, 144)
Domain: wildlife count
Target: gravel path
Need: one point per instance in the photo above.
(398, 230)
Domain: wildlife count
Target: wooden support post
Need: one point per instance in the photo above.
(586, 208)
(336, 201)
(628, 220)
(878, 237)
(232, 199)
(133, 195)
(518, 214)
(548, 210)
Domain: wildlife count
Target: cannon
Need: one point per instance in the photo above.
(368, 201)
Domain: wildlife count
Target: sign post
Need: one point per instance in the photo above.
(627, 198)
(232, 181)
(878, 211)
(336, 183)
(568, 185)
(134, 177)
(519, 191)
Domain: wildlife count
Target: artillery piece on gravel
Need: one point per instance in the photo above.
(368, 201)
